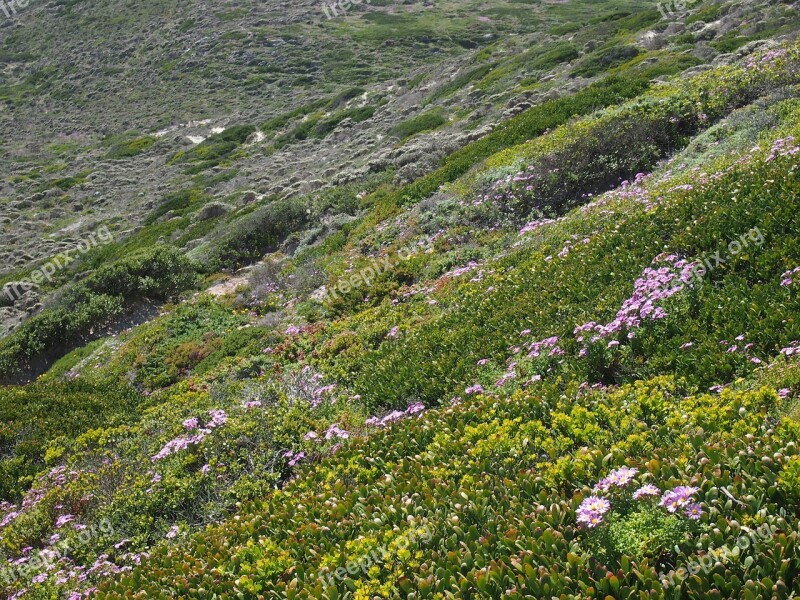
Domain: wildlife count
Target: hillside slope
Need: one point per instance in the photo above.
(532, 333)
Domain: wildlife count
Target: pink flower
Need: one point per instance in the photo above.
(646, 490)
(297, 458)
(619, 478)
(63, 520)
(415, 408)
(218, 418)
(694, 511)
(596, 504)
(335, 432)
(190, 424)
(678, 498)
(590, 512)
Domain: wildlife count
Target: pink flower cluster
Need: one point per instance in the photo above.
(792, 350)
(551, 344)
(656, 284)
(681, 497)
(396, 415)
(790, 277)
(619, 478)
(783, 147)
(334, 431)
(738, 347)
(647, 491)
(218, 418)
(768, 57)
(294, 458)
(534, 225)
(593, 509)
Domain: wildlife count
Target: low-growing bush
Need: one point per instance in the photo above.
(90, 306)
(428, 121)
(251, 236)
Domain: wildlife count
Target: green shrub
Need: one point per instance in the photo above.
(178, 202)
(529, 124)
(89, 307)
(427, 121)
(604, 59)
(131, 148)
(214, 150)
(253, 235)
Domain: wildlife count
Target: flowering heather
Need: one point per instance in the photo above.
(536, 348)
(334, 431)
(783, 147)
(505, 378)
(534, 225)
(218, 419)
(63, 520)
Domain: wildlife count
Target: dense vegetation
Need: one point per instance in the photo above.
(559, 361)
